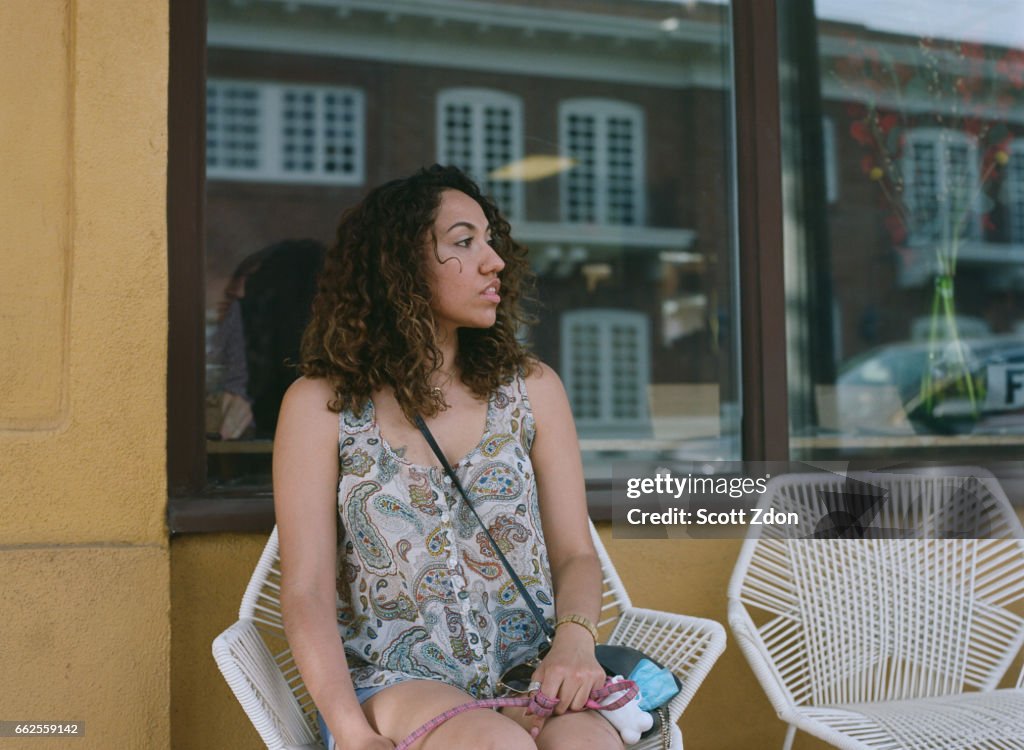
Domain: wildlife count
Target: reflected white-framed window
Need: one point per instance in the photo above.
(605, 365)
(480, 131)
(940, 171)
(274, 132)
(605, 140)
(1015, 192)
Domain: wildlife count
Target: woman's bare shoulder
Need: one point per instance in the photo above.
(309, 397)
(306, 387)
(544, 385)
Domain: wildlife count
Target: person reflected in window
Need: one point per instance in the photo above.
(275, 311)
(395, 605)
(229, 408)
(265, 309)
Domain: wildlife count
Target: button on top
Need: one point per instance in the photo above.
(452, 562)
(447, 480)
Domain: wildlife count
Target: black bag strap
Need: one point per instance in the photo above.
(534, 609)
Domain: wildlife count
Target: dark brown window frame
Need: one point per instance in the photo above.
(194, 507)
(186, 224)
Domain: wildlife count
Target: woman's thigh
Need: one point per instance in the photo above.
(401, 709)
(585, 730)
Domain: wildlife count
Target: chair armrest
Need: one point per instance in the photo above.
(744, 630)
(256, 680)
(689, 646)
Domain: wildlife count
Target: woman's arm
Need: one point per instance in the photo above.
(305, 503)
(570, 668)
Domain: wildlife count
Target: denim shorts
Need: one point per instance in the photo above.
(362, 695)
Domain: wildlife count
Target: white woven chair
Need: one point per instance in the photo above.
(877, 641)
(254, 657)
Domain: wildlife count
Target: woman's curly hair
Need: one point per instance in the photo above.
(372, 325)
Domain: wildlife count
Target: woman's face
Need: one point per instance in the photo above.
(464, 285)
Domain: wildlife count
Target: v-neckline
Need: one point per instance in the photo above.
(488, 418)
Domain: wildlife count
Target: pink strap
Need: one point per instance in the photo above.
(542, 705)
(627, 687)
(440, 719)
(538, 703)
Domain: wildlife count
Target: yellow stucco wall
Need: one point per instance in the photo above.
(204, 712)
(84, 559)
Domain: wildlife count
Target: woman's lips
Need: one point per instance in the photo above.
(491, 292)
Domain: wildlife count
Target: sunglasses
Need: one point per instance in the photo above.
(516, 679)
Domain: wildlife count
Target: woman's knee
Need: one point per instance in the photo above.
(480, 730)
(399, 710)
(511, 737)
(585, 731)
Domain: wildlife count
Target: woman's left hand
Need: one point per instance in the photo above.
(569, 672)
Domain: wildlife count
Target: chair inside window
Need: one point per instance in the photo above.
(254, 657)
(892, 621)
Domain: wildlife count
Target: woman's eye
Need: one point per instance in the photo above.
(490, 241)
(465, 243)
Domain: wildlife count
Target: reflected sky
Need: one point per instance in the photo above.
(998, 22)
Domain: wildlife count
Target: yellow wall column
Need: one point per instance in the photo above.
(84, 559)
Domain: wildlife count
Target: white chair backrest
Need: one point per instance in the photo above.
(614, 599)
(913, 600)
(262, 598)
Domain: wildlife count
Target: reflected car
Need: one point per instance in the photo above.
(953, 387)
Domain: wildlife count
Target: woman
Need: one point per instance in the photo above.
(417, 313)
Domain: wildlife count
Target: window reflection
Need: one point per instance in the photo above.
(602, 131)
(481, 132)
(906, 315)
(604, 141)
(256, 335)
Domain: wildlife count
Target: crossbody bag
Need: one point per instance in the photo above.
(614, 659)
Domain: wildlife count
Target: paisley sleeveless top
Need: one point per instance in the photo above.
(421, 593)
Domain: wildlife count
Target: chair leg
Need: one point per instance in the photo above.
(790, 734)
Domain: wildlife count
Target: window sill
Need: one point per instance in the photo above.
(253, 513)
(208, 514)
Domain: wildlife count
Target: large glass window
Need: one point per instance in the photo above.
(604, 131)
(905, 294)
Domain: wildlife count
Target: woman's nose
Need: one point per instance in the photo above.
(492, 262)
